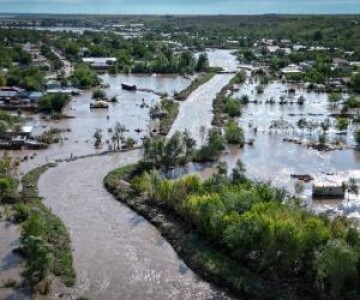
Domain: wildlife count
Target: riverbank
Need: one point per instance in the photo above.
(51, 254)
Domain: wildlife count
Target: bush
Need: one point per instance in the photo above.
(353, 102)
(99, 94)
(342, 124)
(44, 238)
(234, 134)
(215, 144)
(253, 225)
(239, 78)
(84, 76)
(54, 102)
(233, 107)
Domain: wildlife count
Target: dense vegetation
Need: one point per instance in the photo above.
(45, 242)
(263, 231)
(8, 182)
(29, 78)
(84, 77)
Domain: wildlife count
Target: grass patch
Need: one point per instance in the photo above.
(172, 110)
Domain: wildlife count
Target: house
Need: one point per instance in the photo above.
(99, 62)
(60, 91)
(342, 64)
(299, 47)
(328, 190)
(83, 51)
(41, 62)
(16, 132)
(305, 65)
(53, 85)
(291, 69)
(354, 63)
(10, 92)
(271, 49)
(37, 59)
(285, 42)
(35, 96)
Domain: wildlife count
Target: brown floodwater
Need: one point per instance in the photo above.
(197, 111)
(271, 159)
(11, 264)
(117, 254)
(127, 111)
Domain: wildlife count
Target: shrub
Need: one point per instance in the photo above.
(53, 102)
(234, 134)
(233, 107)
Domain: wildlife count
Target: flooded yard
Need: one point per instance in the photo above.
(127, 110)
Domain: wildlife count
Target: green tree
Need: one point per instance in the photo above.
(234, 133)
(233, 107)
(342, 124)
(355, 82)
(53, 102)
(84, 76)
(351, 187)
(334, 98)
(202, 63)
(335, 263)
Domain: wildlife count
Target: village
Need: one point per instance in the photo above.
(211, 122)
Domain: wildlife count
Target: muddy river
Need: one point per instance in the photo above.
(117, 254)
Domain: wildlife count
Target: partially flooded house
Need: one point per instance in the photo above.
(15, 137)
(328, 190)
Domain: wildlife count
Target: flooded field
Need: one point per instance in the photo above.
(127, 111)
(273, 159)
(117, 254)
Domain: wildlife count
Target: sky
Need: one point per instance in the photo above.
(181, 6)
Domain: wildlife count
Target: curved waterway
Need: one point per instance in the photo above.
(117, 254)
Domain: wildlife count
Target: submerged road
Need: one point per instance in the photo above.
(117, 254)
(197, 111)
